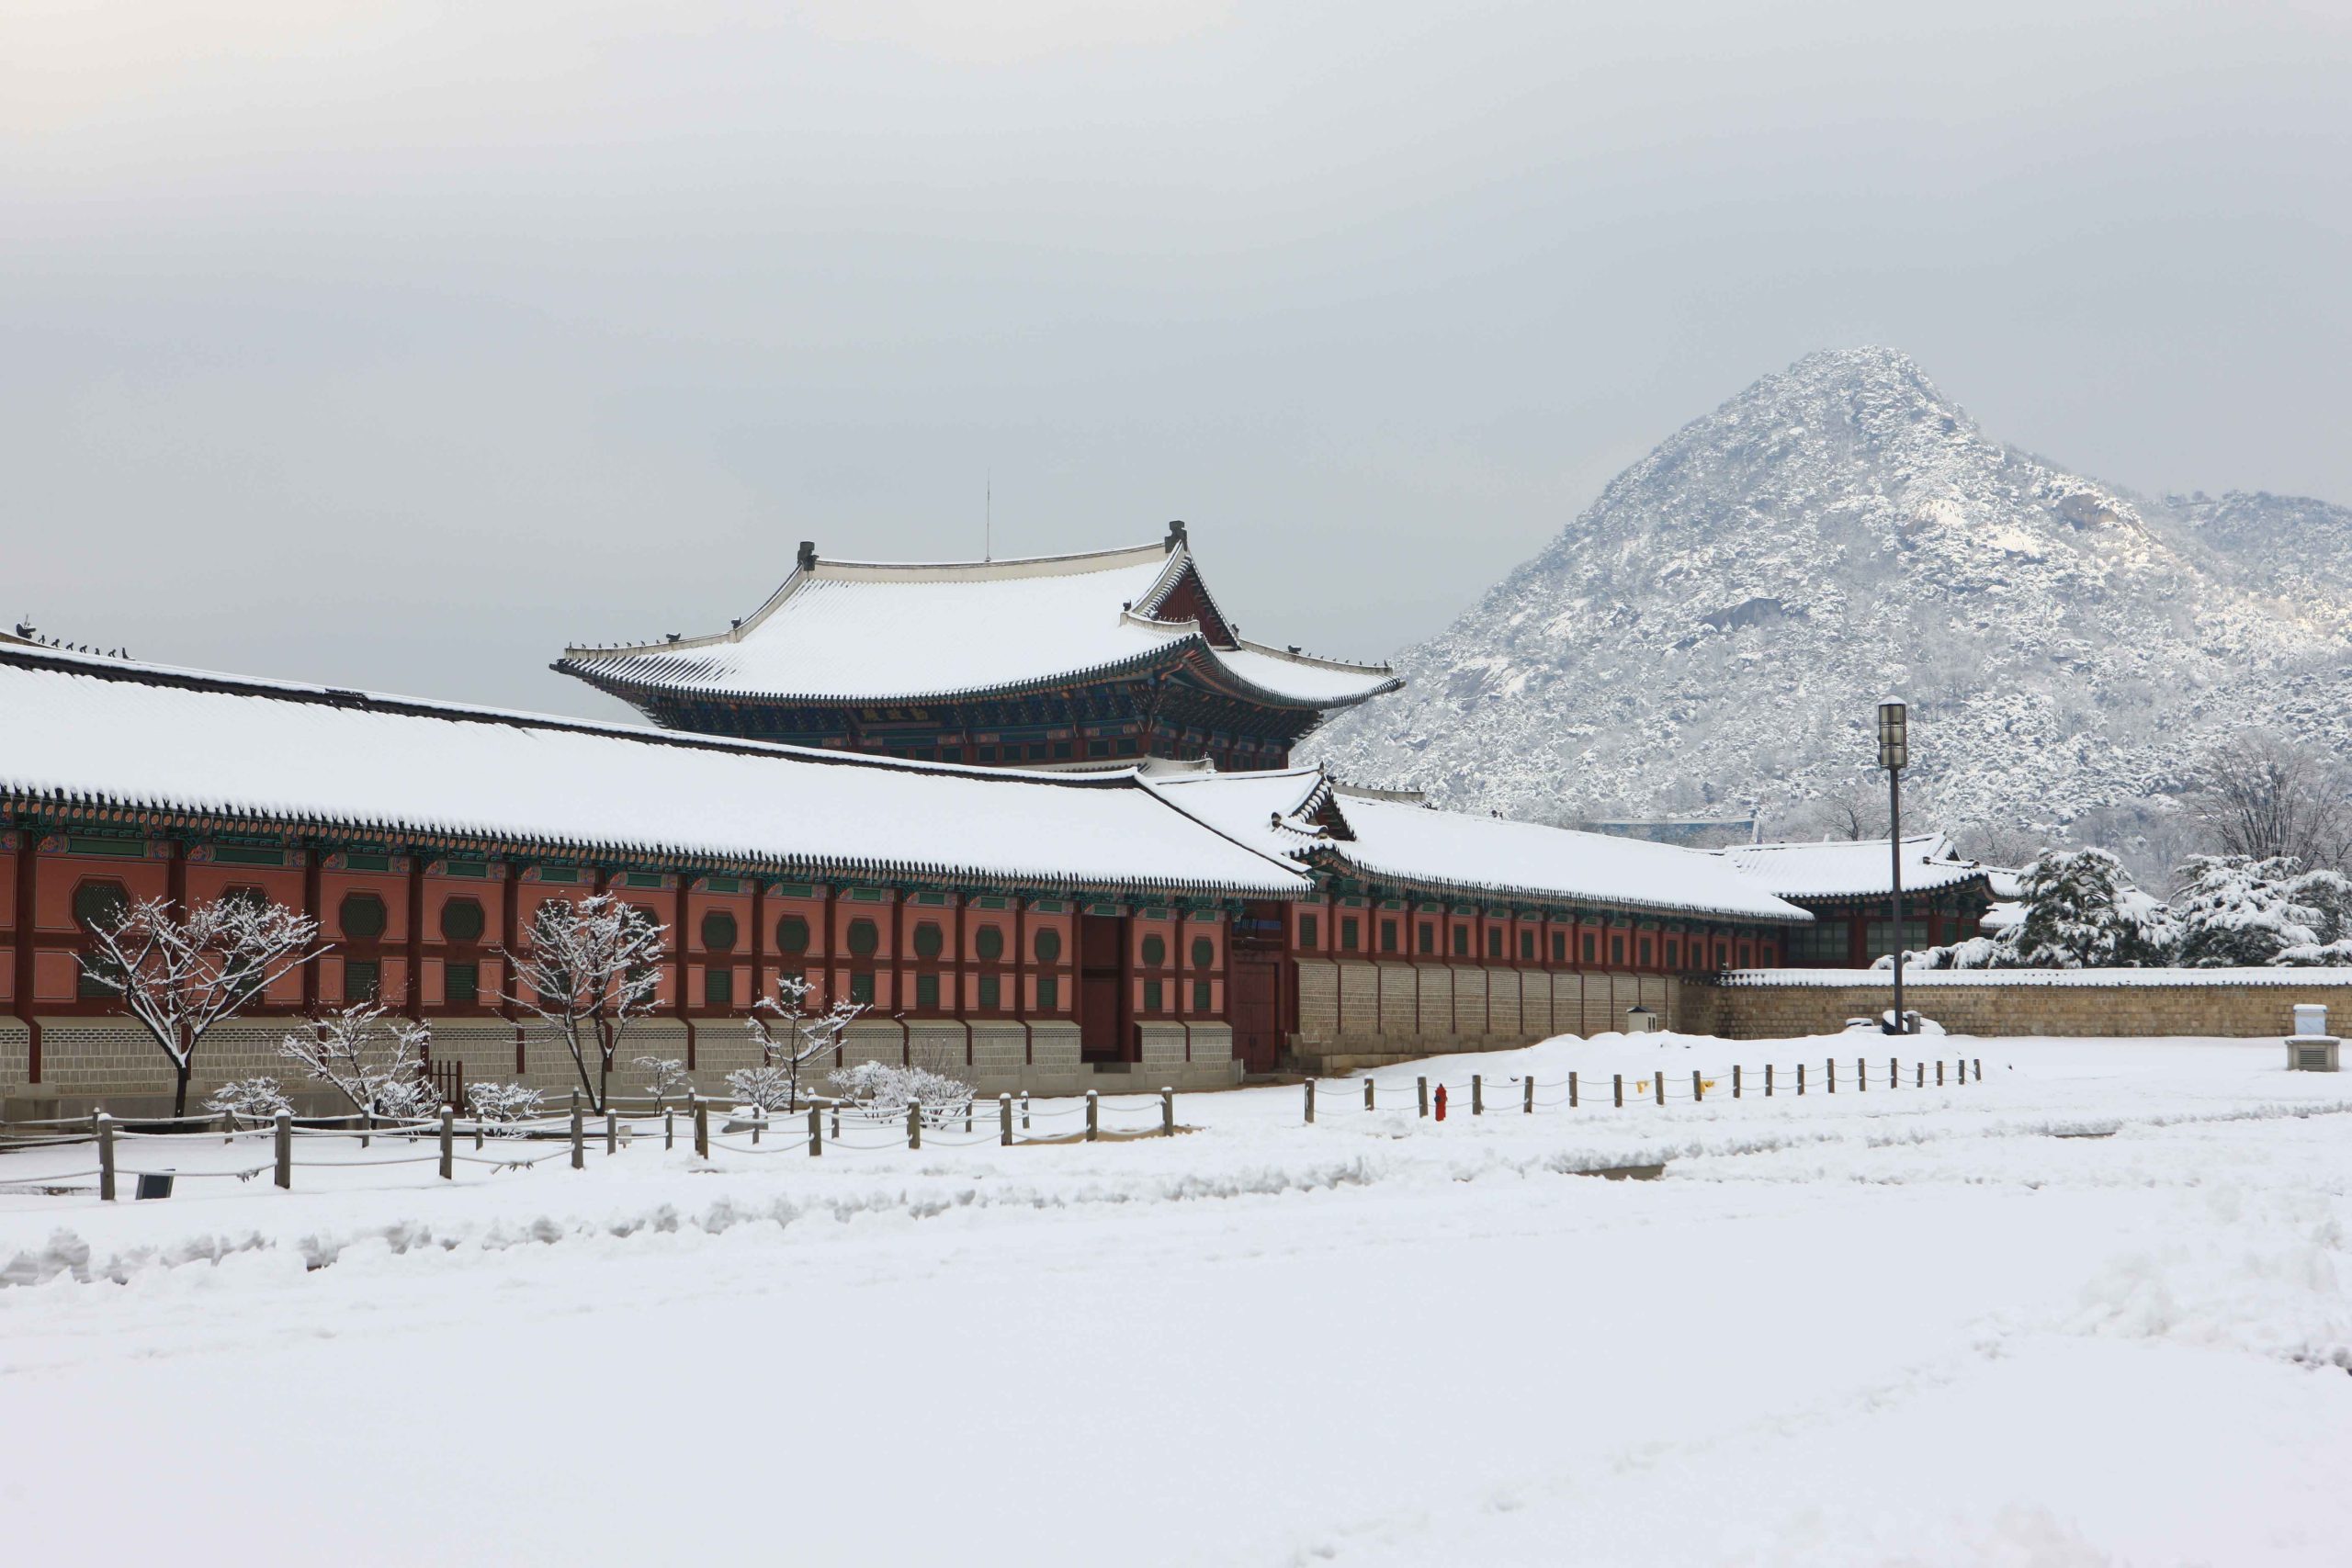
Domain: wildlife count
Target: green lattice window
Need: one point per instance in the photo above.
(362, 916)
(461, 920)
(792, 935)
(929, 940)
(1154, 950)
(988, 942)
(1049, 945)
(719, 932)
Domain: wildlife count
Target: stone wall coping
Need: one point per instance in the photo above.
(1922, 979)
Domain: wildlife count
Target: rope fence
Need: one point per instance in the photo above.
(1656, 1088)
(958, 1125)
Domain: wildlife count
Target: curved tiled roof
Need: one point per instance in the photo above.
(1838, 868)
(99, 735)
(871, 632)
(1384, 836)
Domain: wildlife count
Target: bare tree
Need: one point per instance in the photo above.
(1856, 812)
(182, 974)
(372, 1056)
(789, 1036)
(2260, 797)
(593, 969)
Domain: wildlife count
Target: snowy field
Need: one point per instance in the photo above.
(1910, 1326)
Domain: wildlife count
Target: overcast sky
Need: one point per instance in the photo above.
(399, 343)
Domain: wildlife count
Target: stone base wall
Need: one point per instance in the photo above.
(1355, 1013)
(89, 1062)
(1750, 1012)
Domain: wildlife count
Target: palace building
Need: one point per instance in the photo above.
(1065, 661)
(1846, 886)
(1156, 923)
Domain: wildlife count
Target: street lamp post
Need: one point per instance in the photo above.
(1894, 755)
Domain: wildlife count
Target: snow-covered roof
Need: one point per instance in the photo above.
(2280, 978)
(875, 632)
(1391, 837)
(1271, 811)
(102, 734)
(1840, 868)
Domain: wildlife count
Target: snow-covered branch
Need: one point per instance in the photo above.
(181, 972)
(592, 969)
(376, 1058)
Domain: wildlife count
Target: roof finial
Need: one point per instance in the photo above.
(1175, 536)
(807, 555)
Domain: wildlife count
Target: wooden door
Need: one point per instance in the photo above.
(1256, 1008)
(1103, 1000)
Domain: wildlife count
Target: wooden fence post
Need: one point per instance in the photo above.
(1940, 1072)
(285, 1150)
(1477, 1095)
(1619, 1079)
(579, 1135)
(1861, 1074)
(1367, 1094)
(448, 1143)
(759, 1120)
(1310, 1103)
(1025, 1112)
(1421, 1087)
(1572, 1091)
(1894, 1073)
(1800, 1077)
(1093, 1109)
(702, 1127)
(1167, 1111)
(669, 1128)
(1657, 1083)
(1921, 1077)
(1004, 1120)
(914, 1124)
(1698, 1087)
(366, 1126)
(612, 1132)
(1768, 1080)
(817, 1130)
(1980, 1069)
(1734, 1080)
(102, 1129)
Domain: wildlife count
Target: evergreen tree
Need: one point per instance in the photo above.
(2079, 911)
(2234, 909)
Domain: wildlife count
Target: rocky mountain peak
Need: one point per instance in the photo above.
(1713, 632)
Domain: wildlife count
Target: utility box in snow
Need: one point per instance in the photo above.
(2311, 1019)
(1639, 1019)
(2312, 1049)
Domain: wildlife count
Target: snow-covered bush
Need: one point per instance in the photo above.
(501, 1104)
(769, 1087)
(664, 1075)
(885, 1087)
(374, 1058)
(2234, 910)
(249, 1100)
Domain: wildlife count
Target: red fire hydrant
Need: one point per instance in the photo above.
(1441, 1103)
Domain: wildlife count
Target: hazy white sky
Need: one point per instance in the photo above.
(398, 343)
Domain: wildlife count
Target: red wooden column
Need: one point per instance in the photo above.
(312, 897)
(678, 960)
(415, 936)
(759, 941)
(510, 930)
(959, 975)
(1021, 979)
(26, 844)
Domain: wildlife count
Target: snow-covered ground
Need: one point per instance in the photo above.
(1900, 1326)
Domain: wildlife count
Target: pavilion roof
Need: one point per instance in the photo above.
(1394, 836)
(876, 632)
(1848, 868)
(96, 737)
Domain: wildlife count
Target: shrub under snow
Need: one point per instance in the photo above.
(883, 1086)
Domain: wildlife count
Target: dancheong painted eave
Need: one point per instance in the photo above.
(93, 737)
(880, 633)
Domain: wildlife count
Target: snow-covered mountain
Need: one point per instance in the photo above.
(1715, 632)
